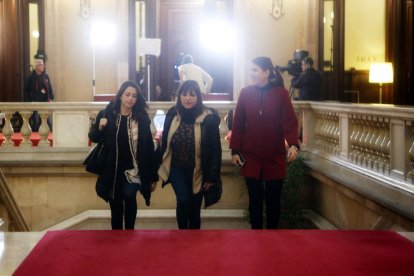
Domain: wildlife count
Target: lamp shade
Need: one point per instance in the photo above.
(381, 73)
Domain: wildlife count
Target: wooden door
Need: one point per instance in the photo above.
(11, 68)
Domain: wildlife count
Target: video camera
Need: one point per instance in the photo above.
(294, 66)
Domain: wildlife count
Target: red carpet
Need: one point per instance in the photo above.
(220, 252)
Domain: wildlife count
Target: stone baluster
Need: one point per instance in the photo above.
(352, 138)
(26, 130)
(318, 130)
(382, 160)
(7, 131)
(361, 140)
(336, 134)
(372, 143)
(44, 129)
(378, 143)
(366, 148)
(356, 147)
(324, 131)
(328, 136)
(387, 152)
(331, 133)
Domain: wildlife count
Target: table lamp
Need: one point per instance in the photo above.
(381, 72)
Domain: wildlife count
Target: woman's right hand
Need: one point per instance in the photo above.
(102, 123)
(235, 159)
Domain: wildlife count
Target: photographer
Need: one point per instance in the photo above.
(309, 82)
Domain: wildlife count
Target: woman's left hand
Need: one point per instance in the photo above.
(292, 153)
(153, 186)
(207, 185)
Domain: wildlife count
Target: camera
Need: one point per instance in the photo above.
(294, 66)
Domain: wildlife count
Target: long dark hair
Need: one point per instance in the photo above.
(139, 108)
(190, 86)
(265, 63)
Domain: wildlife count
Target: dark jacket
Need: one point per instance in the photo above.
(260, 127)
(33, 88)
(210, 144)
(310, 85)
(147, 160)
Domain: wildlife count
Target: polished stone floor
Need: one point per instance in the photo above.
(15, 246)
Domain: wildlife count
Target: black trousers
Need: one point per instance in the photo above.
(269, 191)
(124, 206)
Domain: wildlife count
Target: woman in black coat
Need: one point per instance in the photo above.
(191, 150)
(131, 164)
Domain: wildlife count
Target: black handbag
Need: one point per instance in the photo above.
(213, 194)
(95, 161)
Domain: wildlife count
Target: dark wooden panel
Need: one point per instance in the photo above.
(2, 72)
(11, 86)
(358, 80)
(409, 51)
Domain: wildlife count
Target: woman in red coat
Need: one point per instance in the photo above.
(263, 120)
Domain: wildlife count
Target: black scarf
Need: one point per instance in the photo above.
(188, 116)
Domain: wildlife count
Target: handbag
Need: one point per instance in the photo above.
(213, 194)
(95, 161)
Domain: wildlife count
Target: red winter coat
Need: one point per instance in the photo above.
(260, 127)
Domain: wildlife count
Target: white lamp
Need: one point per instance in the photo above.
(102, 34)
(381, 72)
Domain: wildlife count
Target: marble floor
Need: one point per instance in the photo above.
(15, 246)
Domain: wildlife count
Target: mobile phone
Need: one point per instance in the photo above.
(242, 161)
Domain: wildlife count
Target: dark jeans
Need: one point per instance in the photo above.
(188, 204)
(35, 121)
(124, 206)
(270, 192)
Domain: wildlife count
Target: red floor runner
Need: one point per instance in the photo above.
(220, 252)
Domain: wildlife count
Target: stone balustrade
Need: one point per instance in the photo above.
(71, 122)
(377, 138)
(367, 148)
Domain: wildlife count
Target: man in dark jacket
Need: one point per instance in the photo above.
(309, 82)
(38, 89)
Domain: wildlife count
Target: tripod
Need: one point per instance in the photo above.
(292, 94)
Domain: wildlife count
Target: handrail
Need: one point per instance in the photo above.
(17, 220)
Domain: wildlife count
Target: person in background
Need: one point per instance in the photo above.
(264, 118)
(131, 164)
(191, 150)
(189, 71)
(38, 88)
(309, 82)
